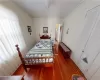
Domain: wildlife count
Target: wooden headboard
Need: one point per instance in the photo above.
(45, 37)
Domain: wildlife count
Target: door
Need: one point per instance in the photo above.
(94, 70)
(90, 20)
(91, 48)
(93, 51)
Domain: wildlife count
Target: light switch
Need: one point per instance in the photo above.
(67, 31)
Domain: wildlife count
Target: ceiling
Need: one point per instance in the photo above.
(47, 8)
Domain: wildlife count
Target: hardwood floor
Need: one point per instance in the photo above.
(62, 70)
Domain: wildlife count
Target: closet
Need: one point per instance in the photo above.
(90, 44)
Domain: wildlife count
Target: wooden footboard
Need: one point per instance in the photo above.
(38, 60)
(35, 61)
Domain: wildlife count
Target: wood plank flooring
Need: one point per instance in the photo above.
(62, 69)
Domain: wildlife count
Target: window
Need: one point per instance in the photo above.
(10, 35)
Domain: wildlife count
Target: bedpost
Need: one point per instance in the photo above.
(20, 55)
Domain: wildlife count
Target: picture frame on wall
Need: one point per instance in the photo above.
(29, 29)
(45, 29)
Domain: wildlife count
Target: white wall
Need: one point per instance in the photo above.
(24, 21)
(39, 23)
(75, 22)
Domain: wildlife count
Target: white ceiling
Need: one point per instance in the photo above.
(47, 8)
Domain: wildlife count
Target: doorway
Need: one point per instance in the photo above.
(58, 32)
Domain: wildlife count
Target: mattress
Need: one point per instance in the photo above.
(42, 49)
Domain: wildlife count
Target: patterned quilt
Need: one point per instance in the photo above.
(42, 49)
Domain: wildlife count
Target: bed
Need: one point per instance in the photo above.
(40, 55)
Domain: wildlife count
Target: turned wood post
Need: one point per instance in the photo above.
(20, 55)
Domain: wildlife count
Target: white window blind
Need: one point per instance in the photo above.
(10, 35)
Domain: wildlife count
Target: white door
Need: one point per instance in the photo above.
(94, 68)
(94, 46)
(91, 50)
(90, 21)
(96, 75)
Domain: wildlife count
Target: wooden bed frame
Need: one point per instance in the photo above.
(35, 64)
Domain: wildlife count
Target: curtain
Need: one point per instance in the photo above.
(10, 35)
